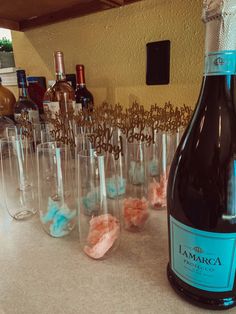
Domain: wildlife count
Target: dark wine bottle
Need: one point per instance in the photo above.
(37, 89)
(201, 196)
(83, 97)
(24, 104)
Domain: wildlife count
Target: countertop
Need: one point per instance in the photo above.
(44, 275)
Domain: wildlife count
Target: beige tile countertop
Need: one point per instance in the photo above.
(44, 275)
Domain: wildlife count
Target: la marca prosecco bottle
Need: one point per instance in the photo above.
(202, 182)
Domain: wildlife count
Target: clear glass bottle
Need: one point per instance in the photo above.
(60, 96)
(83, 96)
(201, 196)
(24, 104)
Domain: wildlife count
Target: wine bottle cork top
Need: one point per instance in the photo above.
(218, 9)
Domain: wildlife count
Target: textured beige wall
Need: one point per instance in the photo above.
(112, 45)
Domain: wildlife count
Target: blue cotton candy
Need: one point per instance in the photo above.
(52, 210)
(60, 216)
(121, 186)
(59, 220)
(115, 186)
(90, 202)
(111, 188)
(153, 167)
(57, 232)
(136, 173)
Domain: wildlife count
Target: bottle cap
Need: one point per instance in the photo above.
(80, 74)
(220, 19)
(218, 9)
(59, 62)
(79, 67)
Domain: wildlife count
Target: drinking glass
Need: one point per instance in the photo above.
(84, 141)
(99, 216)
(56, 189)
(135, 207)
(4, 124)
(11, 131)
(160, 159)
(18, 177)
(117, 180)
(40, 133)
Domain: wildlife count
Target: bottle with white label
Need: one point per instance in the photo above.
(24, 104)
(201, 197)
(60, 97)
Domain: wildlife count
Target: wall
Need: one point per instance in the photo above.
(112, 45)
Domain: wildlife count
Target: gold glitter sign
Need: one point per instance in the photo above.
(135, 122)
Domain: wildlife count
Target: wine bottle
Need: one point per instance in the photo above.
(24, 104)
(83, 97)
(60, 97)
(7, 102)
(37, 89)
(201, 196)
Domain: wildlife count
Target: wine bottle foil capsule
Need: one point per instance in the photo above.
(220, 16)
(59, 62)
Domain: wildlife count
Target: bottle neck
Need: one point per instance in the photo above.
(22, 86)
(59, 66)
(23, 91)
(80, 77)
(220, 29)
(220, 46)
(60, 77)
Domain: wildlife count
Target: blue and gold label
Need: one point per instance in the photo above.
(220, 63)
(204, 260)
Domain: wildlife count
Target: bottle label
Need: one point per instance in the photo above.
(53, 106)
(204, 260)
(220, 63)
(33, 116)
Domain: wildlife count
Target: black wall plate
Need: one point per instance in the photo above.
(158, 63)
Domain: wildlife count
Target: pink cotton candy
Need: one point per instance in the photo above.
(135, 212)
(103, 232)
(157, 192)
